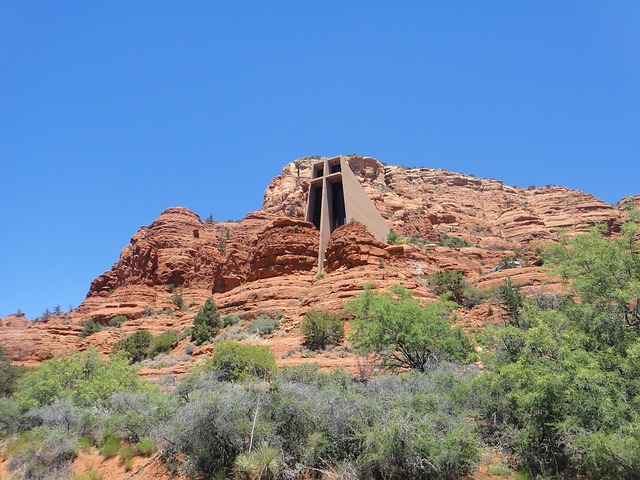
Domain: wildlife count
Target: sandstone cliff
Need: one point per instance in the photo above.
(267, 262)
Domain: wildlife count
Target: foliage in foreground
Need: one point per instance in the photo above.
(302, 421)
(83, 378)
(563, 386)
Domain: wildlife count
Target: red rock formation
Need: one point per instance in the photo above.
(267, 262)
(352, 245)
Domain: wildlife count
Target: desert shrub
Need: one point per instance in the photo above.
(177, 299)
(90, 474)
(507, 263)
(403, 334)
(229, 320)
(135, 416)
(127, 463)
(43, 453)
(136, 346)
(455, 284)
(118, 320)
(145, 447)
(263, 325)
(393, 238)
(513, 301)
(11, 417)
(320, 329)
(89, 327)
(84, 378)
(212, 428)
(420, 427)
(236, 361)
(110, 446)
(307, 373)
(61, 414)
(126, 452)
(9, 375)
(205, 323)
(260, 464)
(450, 241)
(163, 343)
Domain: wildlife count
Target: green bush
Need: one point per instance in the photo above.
(320, 329)
(403, 334)
(163, 343)
(145, 447)
(206, 323)
(229, 320)
(9, 375)
(89, 327)
(393, 238)
(263, 325)
(84, 378)
(513, 301)
(261, 464)
(178, 300)
(126, 452)
(127, 463)
(455, 284)
(562, 384)
(43, 452)
(110, 446)
(91, 474)
(136, 346)
(452, 242)
(118, 320)
(236, 361)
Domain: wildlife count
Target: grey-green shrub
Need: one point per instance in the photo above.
(263, 325)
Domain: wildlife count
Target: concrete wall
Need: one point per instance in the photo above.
(358, 205)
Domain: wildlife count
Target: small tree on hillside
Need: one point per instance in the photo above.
(401, 333)
(136, 345)
(320, 329)
(205, 323)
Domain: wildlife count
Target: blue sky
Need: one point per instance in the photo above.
(111, 112)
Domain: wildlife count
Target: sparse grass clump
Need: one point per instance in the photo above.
(110, 446)
(145, 447)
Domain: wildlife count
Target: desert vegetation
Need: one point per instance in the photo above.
(559, 394)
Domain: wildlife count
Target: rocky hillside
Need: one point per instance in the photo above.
(267, 262)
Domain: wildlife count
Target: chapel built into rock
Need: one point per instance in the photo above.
(335, 195)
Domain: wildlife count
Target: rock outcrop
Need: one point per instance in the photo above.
(267, 262)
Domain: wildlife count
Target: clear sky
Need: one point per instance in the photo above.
(111, 112)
